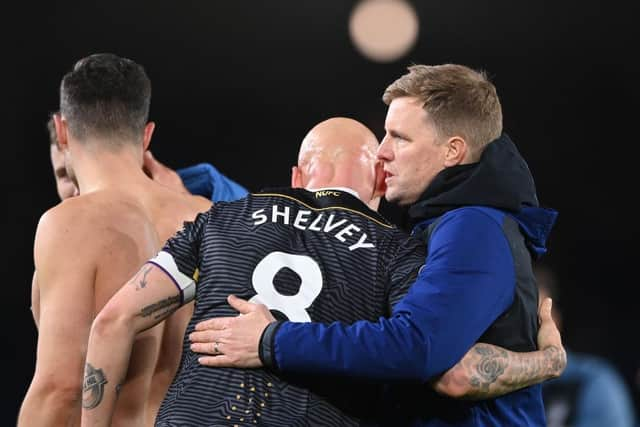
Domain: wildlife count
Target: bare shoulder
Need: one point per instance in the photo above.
(192, 205)
(64, 245)
(66, 221)
(200, 204)
(87, 221)
(171, 209)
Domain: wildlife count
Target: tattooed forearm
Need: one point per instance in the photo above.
(93, 387)
(555, 360)
(161, 305)
(488, 371)
(492, 363)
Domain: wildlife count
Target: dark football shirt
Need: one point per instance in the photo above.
(318, 256)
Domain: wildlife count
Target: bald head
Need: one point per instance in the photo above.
(340, 152)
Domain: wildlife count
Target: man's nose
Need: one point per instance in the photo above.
(384, 150)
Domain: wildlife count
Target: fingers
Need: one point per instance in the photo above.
(243, 306)
(205, 336)
(214, 348)
(215, 361)
(218, 323)
(207, 342)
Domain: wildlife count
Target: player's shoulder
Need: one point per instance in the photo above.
(187, 207)
(199, 204)
(472, 217)
(93, 214)
(182, 203)
(75, 210)
(68, 225)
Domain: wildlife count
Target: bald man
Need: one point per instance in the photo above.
(314, 252)
(320, 253)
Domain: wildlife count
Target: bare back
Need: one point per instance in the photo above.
(127, 238)
(139, 226)
(112, 234)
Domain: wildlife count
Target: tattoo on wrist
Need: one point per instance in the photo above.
(164, 307)
(93, 387)
(557, 359)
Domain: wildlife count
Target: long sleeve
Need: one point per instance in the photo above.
(467, 282)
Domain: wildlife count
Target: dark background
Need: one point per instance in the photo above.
(238, 84)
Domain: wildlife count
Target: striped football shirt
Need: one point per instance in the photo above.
(318, 256)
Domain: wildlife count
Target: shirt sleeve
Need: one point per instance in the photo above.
(185, 245)
(468, 280)
(205, 180)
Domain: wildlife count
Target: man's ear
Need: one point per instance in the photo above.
(380, 186)
(148, 133)
(61, 131)
(456, 151)
(296, 178)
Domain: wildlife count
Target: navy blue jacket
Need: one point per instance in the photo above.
(467, 290)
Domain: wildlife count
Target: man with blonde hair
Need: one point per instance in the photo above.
(474, 205)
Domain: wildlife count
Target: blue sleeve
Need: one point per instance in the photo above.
(468, 280)
(205, 180)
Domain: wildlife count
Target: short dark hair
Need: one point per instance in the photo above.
(106, 95)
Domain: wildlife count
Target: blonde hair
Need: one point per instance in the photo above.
(458, 100)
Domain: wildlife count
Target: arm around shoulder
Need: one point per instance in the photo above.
(488, 371)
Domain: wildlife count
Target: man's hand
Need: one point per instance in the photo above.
(232, 341)
(162, 174)
(549, 340)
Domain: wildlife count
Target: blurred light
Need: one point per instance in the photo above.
(383, 30)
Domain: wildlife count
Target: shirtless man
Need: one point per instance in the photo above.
(88, 245)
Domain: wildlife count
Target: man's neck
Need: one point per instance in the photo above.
(106, 169)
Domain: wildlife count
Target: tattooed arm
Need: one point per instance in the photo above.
(143, 302)
(488, 371)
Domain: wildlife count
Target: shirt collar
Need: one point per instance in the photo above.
(345, 189)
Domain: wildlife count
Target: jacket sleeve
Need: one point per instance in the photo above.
(205, 180)
(468, 280)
